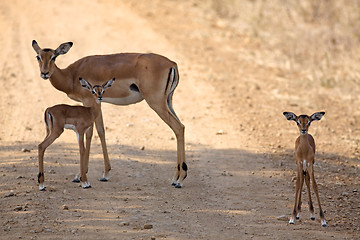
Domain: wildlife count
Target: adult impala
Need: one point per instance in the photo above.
(138, 76)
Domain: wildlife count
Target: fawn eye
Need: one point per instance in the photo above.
(298, 123)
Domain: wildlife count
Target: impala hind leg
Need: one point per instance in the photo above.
(167, 114)
(99, 123)
(311, 207)
(321, 213)
(49, 139)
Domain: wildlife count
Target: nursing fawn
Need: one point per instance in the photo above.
(305, 153)
(78, 118)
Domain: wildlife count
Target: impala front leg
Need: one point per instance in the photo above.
(101, 132)
(83, 170)
(89, 134)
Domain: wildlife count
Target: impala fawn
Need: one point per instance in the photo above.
(305, 153)
(78, 118)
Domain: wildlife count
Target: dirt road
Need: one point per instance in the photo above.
(239, 147)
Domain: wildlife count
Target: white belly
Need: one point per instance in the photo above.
(134, 97)
(72, 127)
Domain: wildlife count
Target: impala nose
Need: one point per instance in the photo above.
(303, 131)
(45, 75)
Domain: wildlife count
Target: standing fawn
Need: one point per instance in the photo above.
(78, 118)
(305, 153)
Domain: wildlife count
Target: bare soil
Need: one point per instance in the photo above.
(239, 147)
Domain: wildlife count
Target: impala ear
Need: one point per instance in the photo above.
(108, 83)
(63, 48)
(290, 116)
(36, 46)
(85, 84)
(317, 116)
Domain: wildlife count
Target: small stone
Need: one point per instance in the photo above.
(65, 207)
(153, 238)
(345, 194)
(142, 148)
(148, 226)
(220, 132)
(28, 128)
(283, 218)
(25, 150)
(125, 223)
(9, 194)
(18, 208)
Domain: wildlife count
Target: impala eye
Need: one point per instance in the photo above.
(38, 58)
(52, 58)
(93, 92)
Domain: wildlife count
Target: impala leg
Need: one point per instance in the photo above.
(297, 188)
(83, 177)
(89, 134)
(311, 207)
(99, 123)
(300, 192)
(167, 114)
(49, 139)
(321, 213)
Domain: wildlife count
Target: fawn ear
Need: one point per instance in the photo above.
(63, 48)
(36, 46)
(108, 83)
(317, 116)
(85, 84)
(290, 116)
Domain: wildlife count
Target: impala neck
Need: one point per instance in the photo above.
(304, 138)
(62, 80)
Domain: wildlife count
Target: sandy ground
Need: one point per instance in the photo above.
(239, 147)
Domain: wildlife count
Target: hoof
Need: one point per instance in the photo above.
(105, 177)
(85, 185)
(312, 218)
(76, 179)
(323, 223)
(173, 184)
(177, 186)
(291, 221)
(297, 217)
(42, 187)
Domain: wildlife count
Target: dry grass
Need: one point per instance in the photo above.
(318, 40)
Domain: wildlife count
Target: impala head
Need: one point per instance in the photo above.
(46, 57)
(96, 90)
(303, 121)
